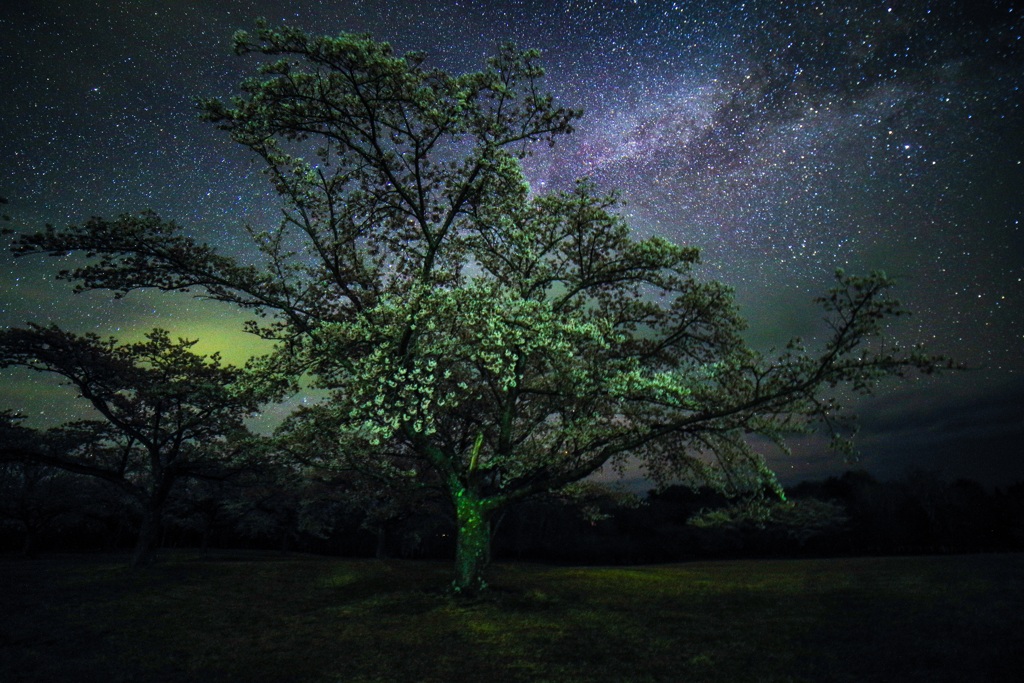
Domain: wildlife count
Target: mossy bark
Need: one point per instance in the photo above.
(473, 543)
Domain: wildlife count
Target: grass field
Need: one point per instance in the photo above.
(247, 617)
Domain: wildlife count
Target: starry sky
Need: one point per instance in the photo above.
(785, 139)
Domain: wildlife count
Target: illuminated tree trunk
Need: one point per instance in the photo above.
(472, 544)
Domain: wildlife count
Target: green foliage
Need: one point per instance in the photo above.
(443, 304)
(799, 519)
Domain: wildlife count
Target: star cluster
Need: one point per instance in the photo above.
(786, 139)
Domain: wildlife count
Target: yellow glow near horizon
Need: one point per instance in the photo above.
(215, 328)
(47, 401)
(223, 334)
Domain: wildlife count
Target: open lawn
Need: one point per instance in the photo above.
(254, 618)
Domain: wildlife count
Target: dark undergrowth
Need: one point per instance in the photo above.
(254, 618)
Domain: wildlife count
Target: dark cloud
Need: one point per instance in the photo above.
(973, 431)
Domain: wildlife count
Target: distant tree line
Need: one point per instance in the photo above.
(851, 514)
(48, 509)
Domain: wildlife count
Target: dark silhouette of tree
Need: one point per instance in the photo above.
(383, 499)
(286, 501)
(506, 343)
(200, 508)
(167, 413)
(33, 497)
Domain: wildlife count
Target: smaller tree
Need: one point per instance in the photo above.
(168, 413)
(383, 494)
(285, 502)
(33, 497)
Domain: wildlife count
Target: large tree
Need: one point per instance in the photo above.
(492, 341)
(166, 413)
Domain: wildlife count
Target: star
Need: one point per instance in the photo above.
(785, 139)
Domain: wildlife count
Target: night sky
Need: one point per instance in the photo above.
(785, 139)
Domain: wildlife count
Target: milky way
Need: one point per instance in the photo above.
(784, 139)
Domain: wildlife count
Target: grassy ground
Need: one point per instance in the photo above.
(255, 618)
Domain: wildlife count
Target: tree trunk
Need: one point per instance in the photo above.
(149, 537)
(472, 544)
(286, 540)
(381, 553)
(204, 544)
(152, 518)
(29, 547)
